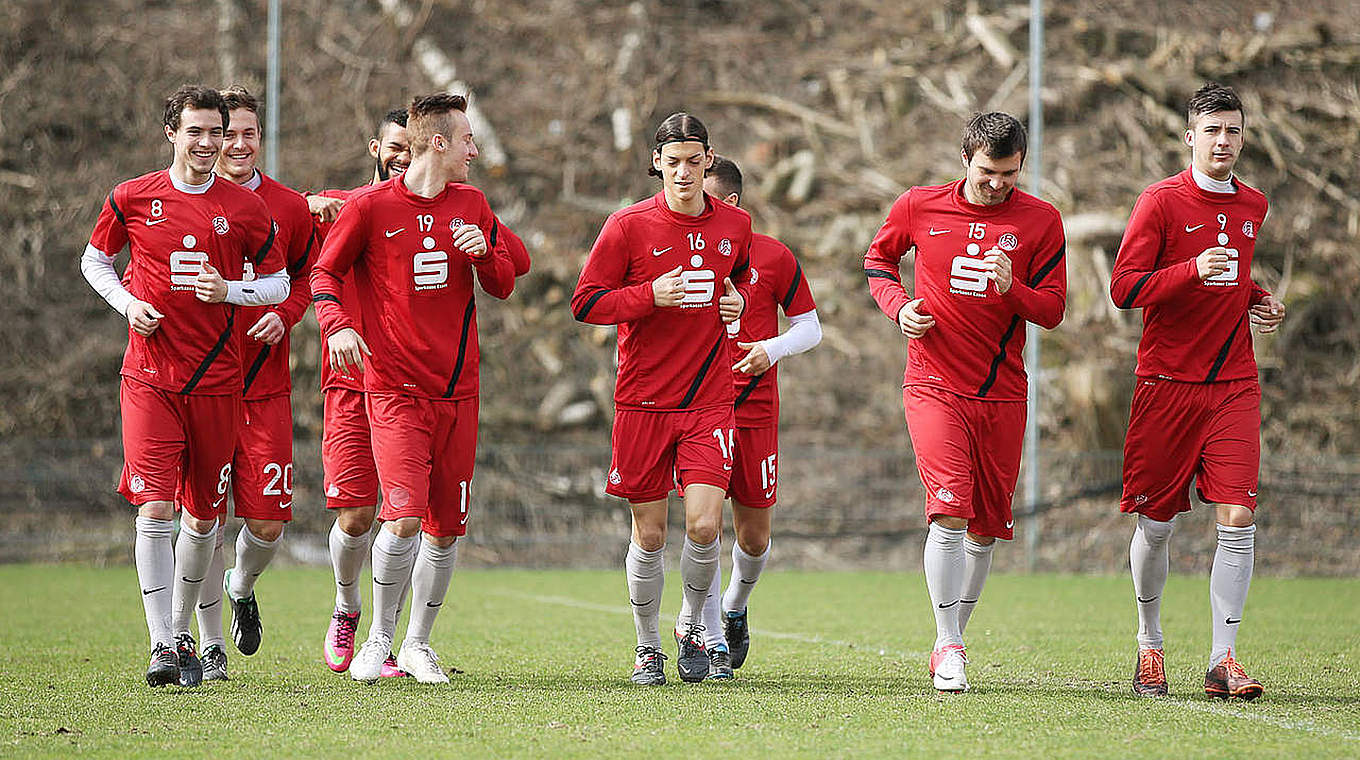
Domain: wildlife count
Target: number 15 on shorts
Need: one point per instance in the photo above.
(726, 443)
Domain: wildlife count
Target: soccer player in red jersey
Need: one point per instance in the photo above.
(189, 236)
(776, 282)
(989, 258)
(1186, 262)
(262, 483)
(663, 270)
(414, 244)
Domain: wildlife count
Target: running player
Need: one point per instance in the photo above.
(262, 486)
(1186, 261)
(189, 238)
(663, 271)
(989, 258)
(414, 243)
(777, 282)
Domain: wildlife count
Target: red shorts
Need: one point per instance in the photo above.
(755, 467)
(351, 477)
(655, 450)
(968, 455)
(177, 445)
(425, 450)
(1178, 431)
(262, 486)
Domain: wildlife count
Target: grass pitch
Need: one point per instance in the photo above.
(837, 669)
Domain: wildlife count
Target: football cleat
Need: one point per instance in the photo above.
(1149, 674)
(367, 665)
(164, 667)
(649, 667)
(246, 628)
(692, 661)
(946, 667)
(190, 667)
(339, 647)
(738, 636)
(390, 669)
(418, 659)
(719, 664)
(214, 663)
(1228, 679)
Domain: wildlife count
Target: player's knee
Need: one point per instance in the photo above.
(1156, 532)
(157, 510)
(703, 532)
(197, 525)
(443, 542)
(265, 530)
(1235, 516)
(951, 522)
(356, 521)
(403, 527)
(981, 540)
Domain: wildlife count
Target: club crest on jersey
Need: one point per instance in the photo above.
(1249, 229)
(725, 247)
(945, 495)
(136, 484)
(220, 225)
(455, 223)
(1007, 242)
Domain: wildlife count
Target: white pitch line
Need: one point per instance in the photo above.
(1293, 725)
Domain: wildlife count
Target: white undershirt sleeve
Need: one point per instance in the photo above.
(97, 267)
(805, 331)
(263, 291)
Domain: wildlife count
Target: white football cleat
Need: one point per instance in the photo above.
(418, 659)
(946, 666)
(367, 664)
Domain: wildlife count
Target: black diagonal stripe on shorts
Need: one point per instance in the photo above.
(462, 347)
(1048, 266)
(1223, 352)
(883, 274)
(1133, 292)
(590, 304)
(793, 288)
(268, 243)
(213, 354)
(256, 365)
(118, 212)
(703, 370)
(746, 392)
(1000, 357)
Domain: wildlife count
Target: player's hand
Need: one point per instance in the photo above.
(346, 348)
(1212, 261)
(143, 318)
(668, 289)
(755, 361)
(997, 265)
(269, 329)
(209, 286)
(912, 320)
(324, 209)
(1267, 315)
(730, 303)
(470, 240)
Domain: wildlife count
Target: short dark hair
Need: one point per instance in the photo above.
(1212, 98)
(727, 175)
(236, 96)
(428, 115)
(996, 134)
(195, 97)
(678, 127)
(395, 116)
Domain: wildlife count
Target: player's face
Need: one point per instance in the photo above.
(240, 146)
(198, 139)
(991, 180)
(682, 166)
(1215, 141)
(711, 187)
(392, 150)
(461, 149)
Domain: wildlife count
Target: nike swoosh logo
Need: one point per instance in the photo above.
(148, 592)
(727, 467)
(210, 604)
(745, 582)
(947, 606)
(380, 583)
(344, 585)
(934, 232)
(191, 580)
(218, 503)
(636, 603)
(695, 590)
(1252, 494)
(434, 605)
(1233, 621)
(154, 222)
(397, 231)
(286, 504)
(1010, 524)
(335, 657)
(1188, 228)
(1141, 600)
(656, 252)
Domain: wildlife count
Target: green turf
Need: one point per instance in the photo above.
(837, 670)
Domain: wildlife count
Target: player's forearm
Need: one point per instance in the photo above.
(496, 273)
(1258, 294)
(804, 333)
(295, 305)
(330, 313)
(1133, 289)
(97, 267)
(519, 253)
(271, 289)
(598, 305)
(1044, 307)
(887, 291)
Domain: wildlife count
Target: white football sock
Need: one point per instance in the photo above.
(392, 560)
(713, 630)
(253, 555)
(646, 573)
(1228, 584)
(698, 563)
(745, 572)
(944, 563)
(429, 585)
(1150, 560)
(210, 596)
(977, 563)
(347, 560)
(193, 555)
(155, 555)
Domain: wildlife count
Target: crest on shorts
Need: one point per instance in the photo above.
(1249, 229)
(136, 484)
(725, 247)
(220, 225)
(614, 477)
(455, 223)
(332, 491)
(1007, 242)
(1140, 499)
(945, 495)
